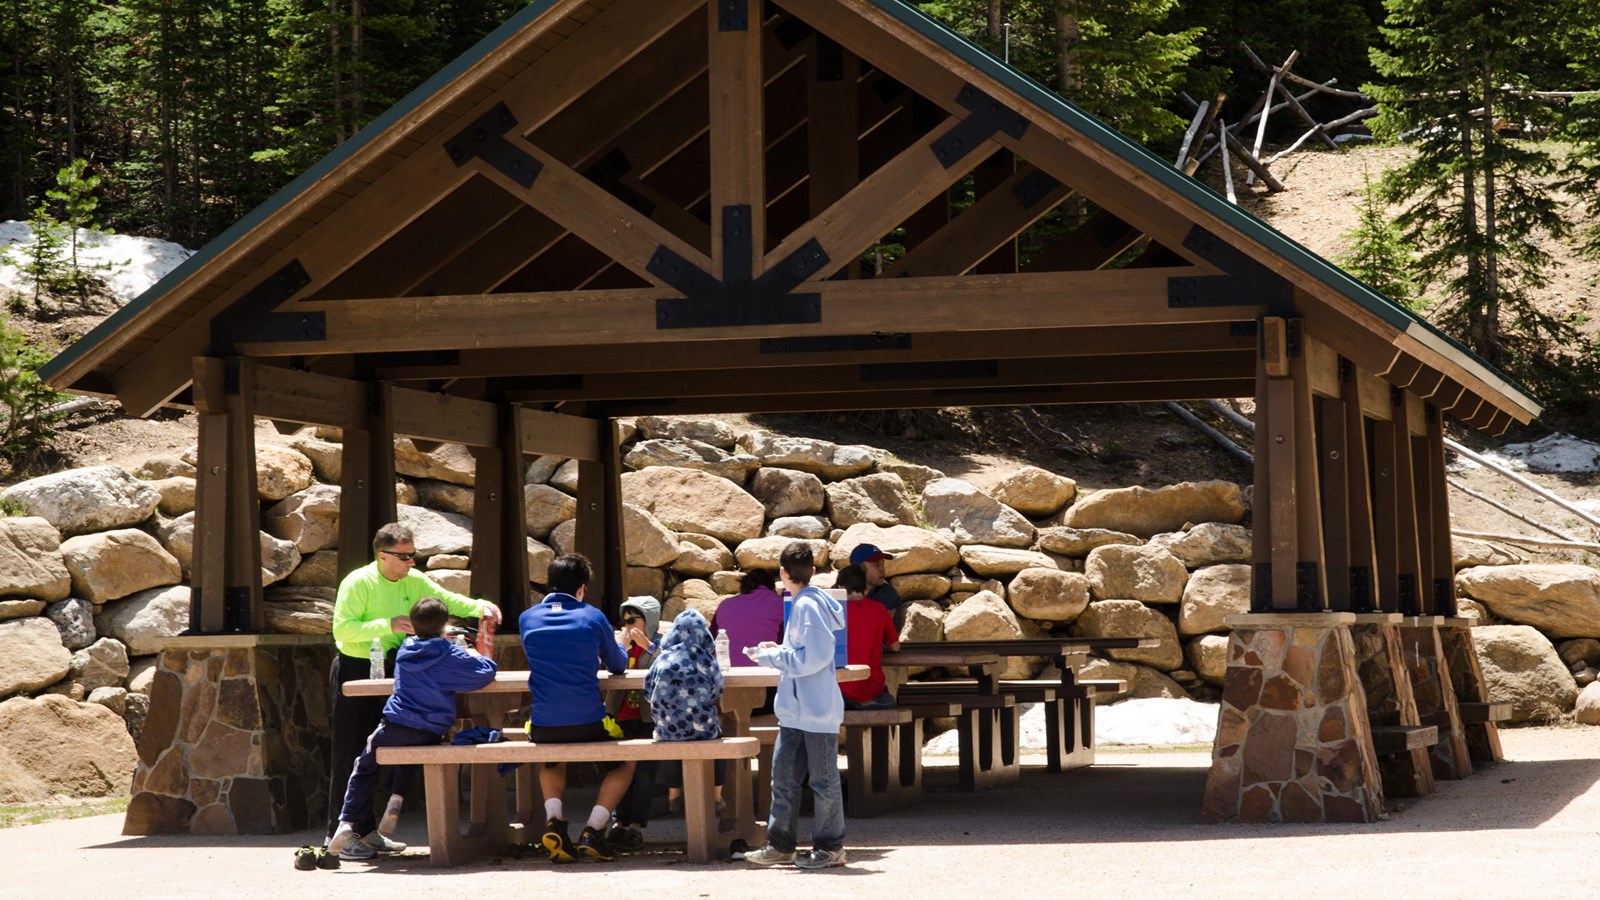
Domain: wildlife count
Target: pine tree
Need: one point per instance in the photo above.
(1454, 81)
(1581, 122)
(42, 262)
(27, 422)
(1376, 252)
(75, 198)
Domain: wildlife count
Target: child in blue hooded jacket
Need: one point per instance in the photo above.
(428, 671)
(810, 710)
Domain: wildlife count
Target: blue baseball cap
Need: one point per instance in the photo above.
(867, 553)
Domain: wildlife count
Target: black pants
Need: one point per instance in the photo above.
(353, 719)
(635, 806)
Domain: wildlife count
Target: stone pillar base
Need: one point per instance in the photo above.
(1466, 675)
(1293, 742)
(1436, 697)
(236, 741)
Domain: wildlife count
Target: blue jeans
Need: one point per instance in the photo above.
(797, 755)
(364, 774)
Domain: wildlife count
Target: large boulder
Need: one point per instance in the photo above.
(1560, 600)
(1212, 594)
(914, 549)
(985, 617)
(824, 459)
(319, 569)
(103, 663)
(31, 656)
(1003, 562)
(1207, 544)
(788, 492)
(1143, 681)
(1145, 512)
(164, 465)
(445, 497)
(1035, 492)
(804, 527)
(280, 472)
(1207, 655)
(711, 431)
(922, 620)
(689, 454)
(1146, 573)
(20, 609)
(145, 620)
(437, 532)
(920, 586)
(1587, 709)
(701, 556)
(74, 618)
(877, 499)
(1130, 618)
(763, 553)
(111, 565)
(297, 610)
(53, 746)
(686, 500)
(647, 541)
(1049, 595)
(915, 476)
(447, 462)
(327, 458)
(1521, 667)
(279, 558)
(1066, 541)
(309, 518)
(1469, 552)
(692, 593)
(177, 495)
(545, 507)
(82, 501)
(565, 477)
(970, 516)
(30, 560)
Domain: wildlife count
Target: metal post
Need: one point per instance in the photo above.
(1007, 27)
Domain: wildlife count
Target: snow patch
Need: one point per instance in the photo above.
(1555, 453)
(135, 263)
(1155, 721)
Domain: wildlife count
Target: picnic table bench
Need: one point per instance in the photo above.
(451, 844)
(883, 758)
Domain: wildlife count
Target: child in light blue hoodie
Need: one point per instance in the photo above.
(810, 710)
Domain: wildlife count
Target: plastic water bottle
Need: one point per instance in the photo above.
(724, 658)
(376, 656)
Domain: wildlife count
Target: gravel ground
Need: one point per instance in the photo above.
(1126, 828)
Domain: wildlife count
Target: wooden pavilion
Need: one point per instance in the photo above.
(610, 208)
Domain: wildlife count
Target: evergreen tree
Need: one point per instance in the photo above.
(42, 261)
(1455, 76)
(1581, 122)
(27, 422)
(1376, 252)
(75, 197)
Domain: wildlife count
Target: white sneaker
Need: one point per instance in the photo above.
(380, 843)
(820, 859)
(769, 855)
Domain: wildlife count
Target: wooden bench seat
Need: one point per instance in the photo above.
(988, 730)
(1390, 740)
(1483, 713)
(450, 844)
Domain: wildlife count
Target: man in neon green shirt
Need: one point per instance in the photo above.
(374, 603)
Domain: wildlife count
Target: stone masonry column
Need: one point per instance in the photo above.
(1436, 695)
(1380, 663)
(236, 740)
(1293, 743)
(1466, 674)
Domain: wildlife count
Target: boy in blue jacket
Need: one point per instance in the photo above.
(810, 710)
(428, 671)
(565, 639)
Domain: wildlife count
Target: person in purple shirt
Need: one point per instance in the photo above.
(565, 640)
(753, 615)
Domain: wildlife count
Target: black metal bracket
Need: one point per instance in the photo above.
(1430, 413)
(733, 15)
(1261, 588)
(251, 317)
(485, 139)
(1347, 371)
(1033, 187)
(232, 375)
(607, 172)
(1408, 595)
(1361, 599)
(986, 116)
(1397, 397)
(1247, 328)
(1307, 587)
(236, 609)
(1293, 338)
(844, 343)
(737, 299)
(1248, 283)
(1444, 597)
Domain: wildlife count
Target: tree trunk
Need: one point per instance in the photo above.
(334, 71)
(1477, 328)
(1491, 268)
(996, 21)
(357, 81)
(1067, 38)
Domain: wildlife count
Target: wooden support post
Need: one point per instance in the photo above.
(227, 552)
(1362, 562)
(737, 127)
(1336, 465)
(1261, 509)
(209, 569)
(832, 147)
(986, 178)
(1311, 585)
(599, 528)
(1422, 497)
(1407, 561)
(1282, 532)
(1438, 529)
(500, 543)
(1385, 516)
(366, 479)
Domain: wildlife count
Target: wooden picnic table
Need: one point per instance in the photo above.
(743, 690)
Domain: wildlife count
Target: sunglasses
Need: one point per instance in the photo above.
(402, 556)
(629, 620)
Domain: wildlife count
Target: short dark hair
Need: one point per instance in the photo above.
(852, 579)
(568, 573)
(798, 562)
(428, 618)
(757, 578)
(391, 536)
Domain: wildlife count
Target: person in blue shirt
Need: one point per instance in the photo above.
(428, 671)
(566, 641)
(810, 710)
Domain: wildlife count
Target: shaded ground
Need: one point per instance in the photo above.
(1125, 828)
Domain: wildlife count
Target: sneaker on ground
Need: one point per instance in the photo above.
(769, 855)
(624, 839)
(556, 842)
(305, 859)
(342, 836)
(326, 859)
(820, 859)
(354, 851)
(381, 843)
(593, 844)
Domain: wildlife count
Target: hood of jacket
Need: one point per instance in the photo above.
(649, 609)
(421, 654)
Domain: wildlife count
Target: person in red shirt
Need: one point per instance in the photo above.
(870, 628)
